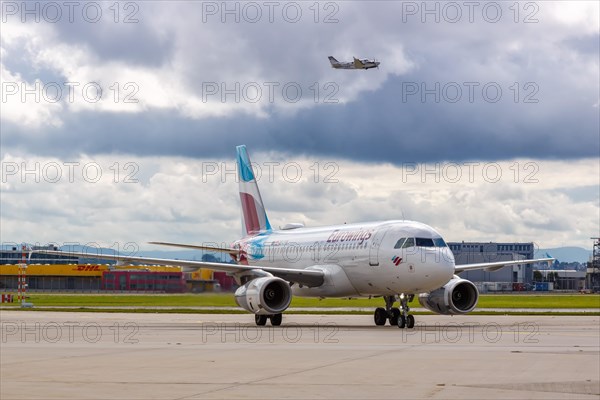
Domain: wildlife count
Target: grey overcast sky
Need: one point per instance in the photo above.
(119, 119)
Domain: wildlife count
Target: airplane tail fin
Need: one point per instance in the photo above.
(254, 216)
(333, 61)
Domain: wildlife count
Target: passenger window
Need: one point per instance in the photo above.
(410, 242)
(424, 242)
(399, 243)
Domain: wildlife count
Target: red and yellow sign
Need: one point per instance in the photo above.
(77, 269)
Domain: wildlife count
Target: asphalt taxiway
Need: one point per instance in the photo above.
(60, 355)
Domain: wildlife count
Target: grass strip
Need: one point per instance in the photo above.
(560, 301)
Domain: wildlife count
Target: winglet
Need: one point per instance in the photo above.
(254, 216)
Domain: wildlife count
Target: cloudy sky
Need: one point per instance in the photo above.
(119, 121)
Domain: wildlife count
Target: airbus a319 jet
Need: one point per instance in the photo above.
(356, 64)
(395, 260)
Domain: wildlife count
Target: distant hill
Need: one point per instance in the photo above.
(566, 254)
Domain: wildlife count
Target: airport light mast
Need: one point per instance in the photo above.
(22, 276)
(593, 270)
(22, 279)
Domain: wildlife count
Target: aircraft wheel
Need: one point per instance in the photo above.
(410, 321)
(276, 319)
(395, 314)
(401, 322)
(260, 319)
(380, 316)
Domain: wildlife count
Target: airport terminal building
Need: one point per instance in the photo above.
(517, 277)
(66, 273)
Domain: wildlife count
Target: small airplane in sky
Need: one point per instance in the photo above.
(395, 260)
(356, 64)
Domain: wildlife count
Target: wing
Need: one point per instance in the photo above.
(233, 252)
(493, 266)
(310, 278)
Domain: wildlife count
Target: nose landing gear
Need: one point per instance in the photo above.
(406, 320)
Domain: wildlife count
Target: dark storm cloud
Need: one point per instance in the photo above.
(111, 39)
(388, 123)
(378, 127)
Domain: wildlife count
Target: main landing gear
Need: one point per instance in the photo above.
(396, 316)
(261, 320)
(382, 315)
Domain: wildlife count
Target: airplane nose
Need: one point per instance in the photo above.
(448, 261)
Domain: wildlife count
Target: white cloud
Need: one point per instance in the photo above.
(581, 15)
(173, 201)
(23, 102)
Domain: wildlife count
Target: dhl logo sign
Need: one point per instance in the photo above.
(87, 268)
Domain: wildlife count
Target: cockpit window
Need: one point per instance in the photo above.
(439, 242)
(410, 242)
(424, 242)
(399, 243)
(404, 243)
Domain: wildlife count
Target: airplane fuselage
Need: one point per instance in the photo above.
(358, 259)
(356, 64)
(344, 66)
(366, 65)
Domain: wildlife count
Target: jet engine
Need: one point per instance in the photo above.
(264, 296)
(458, 296)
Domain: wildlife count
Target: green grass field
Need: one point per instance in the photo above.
(226, 300)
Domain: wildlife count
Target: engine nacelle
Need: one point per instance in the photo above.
(264, 296)
(458, 296)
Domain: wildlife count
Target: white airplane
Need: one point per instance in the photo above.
(395, 260)
(356, 64)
